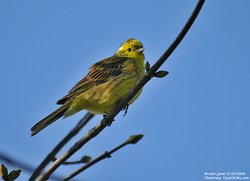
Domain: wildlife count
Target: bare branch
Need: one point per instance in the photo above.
(85, 159)
(132, 140)
(88, 116)
(110, 117)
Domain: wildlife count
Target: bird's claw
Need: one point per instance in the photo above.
(108, 123)
(125, 109)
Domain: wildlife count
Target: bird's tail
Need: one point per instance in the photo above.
(49, 119)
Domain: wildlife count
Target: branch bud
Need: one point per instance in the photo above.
(134, 139)
(147, 66)
(161, 73)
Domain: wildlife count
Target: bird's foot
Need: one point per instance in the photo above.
(107, 123)
(125, 109)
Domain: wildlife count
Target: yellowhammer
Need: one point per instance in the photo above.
(107, 82)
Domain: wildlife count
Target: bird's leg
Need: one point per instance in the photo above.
(104, 116)
(125, 109)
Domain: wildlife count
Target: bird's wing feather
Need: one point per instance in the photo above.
(98, 73)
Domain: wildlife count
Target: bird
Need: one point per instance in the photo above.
(106, 83)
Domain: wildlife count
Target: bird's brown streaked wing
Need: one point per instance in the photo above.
(98, 74)
(85, 86)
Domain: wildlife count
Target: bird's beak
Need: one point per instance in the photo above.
(140, 50)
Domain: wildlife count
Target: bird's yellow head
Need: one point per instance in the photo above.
(131, 48)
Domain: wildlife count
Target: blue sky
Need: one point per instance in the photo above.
(195, 120)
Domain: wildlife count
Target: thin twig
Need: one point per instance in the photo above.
(107, 120)
(71, 162)
(83, 160)
(88, 116)
(132, 140)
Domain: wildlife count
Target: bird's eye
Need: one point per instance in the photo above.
(129, 49)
